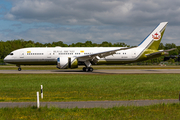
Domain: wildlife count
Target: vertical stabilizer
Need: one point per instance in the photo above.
(153, 40)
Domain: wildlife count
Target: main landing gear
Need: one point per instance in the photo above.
(19, 69)
(87, 69)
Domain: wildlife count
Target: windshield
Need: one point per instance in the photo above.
(10, 53)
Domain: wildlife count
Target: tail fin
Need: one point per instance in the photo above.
(153, 40)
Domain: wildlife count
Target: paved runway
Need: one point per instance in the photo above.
(100, 71)
(88, 104)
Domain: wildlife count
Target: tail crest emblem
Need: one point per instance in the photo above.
(156, 36)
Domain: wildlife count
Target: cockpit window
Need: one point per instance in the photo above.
(10, 53)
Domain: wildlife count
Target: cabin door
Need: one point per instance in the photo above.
(49, 54)
(133, 54)
(21, 55)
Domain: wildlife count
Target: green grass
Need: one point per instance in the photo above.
(154, 112)
(64, 87)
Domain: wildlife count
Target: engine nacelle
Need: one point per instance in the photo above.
(67, 62)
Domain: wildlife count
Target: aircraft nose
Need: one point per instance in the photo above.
(8, 59)
(5, 59)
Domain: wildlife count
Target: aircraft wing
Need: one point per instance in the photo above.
(157, 53)
(96, 56)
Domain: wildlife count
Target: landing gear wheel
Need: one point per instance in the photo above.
(19, 69)
(90, 69)
(84, 69)
(87, 70)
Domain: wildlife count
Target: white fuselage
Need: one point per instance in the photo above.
(49, 55)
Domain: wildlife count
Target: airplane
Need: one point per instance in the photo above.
(70, 57)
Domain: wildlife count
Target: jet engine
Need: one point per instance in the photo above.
(67, 62)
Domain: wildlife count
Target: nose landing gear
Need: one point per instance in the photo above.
(19, 69)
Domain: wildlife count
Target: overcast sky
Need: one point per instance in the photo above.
(72, 21)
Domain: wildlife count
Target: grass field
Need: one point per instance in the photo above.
(155, 112)
(64, 87)
(74, 87)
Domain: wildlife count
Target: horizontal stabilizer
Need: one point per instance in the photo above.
(156, 53)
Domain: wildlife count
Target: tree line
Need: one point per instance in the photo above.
(10, 45)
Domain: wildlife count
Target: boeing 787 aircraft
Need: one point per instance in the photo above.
(68, 57)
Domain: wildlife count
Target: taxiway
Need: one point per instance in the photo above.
(100, 71)
(88, 104)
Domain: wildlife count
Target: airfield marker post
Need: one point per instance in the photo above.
(38, 104)
(41, 91)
